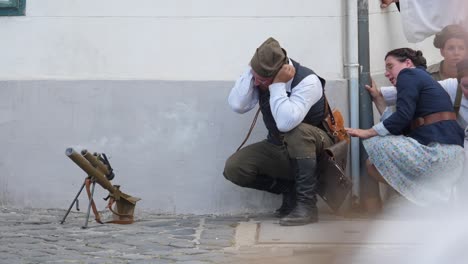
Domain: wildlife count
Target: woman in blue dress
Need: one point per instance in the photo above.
(418, 149)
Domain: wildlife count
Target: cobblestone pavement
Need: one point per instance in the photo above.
(36, 236)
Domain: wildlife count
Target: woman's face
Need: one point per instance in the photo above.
(454, 51)
(394, 66)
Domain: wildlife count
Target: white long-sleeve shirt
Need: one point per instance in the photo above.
(423, 18)
(288, 112)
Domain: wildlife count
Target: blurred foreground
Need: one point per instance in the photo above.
(402, 234)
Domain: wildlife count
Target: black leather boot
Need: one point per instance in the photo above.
(276, 186)
(305, 211)
(289, 202)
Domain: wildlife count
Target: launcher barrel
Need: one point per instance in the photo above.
(99, 176)
(95, 162)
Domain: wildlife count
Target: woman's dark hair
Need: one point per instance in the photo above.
(406, 53)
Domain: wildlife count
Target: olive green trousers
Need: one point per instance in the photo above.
(269, 160)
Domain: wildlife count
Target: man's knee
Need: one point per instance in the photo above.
(232, 172)
(298, 133)
(304, 141)
(229, 169)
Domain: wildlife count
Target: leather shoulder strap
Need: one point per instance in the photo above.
(329, 112)
(457, 103)
(250, 129)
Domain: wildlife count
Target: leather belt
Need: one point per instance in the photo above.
(432, 118)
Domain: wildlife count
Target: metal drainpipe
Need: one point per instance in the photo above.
(369, 188)
(352, 66)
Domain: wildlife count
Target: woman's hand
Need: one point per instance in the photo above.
(373, 90)
(386, 3)
(361, 133)
(377, 97)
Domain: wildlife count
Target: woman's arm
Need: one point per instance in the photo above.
(389, 93)
(361, 133)
(377, 97)
(407, 97)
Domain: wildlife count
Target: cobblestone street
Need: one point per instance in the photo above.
(36, 236)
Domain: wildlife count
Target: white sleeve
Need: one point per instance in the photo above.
(380, 129)
(289, 112)
(243, 96)
(450, 85)
(386, 113)
(423, 18)
(389, 94)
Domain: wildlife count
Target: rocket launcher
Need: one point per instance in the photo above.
(98, 170)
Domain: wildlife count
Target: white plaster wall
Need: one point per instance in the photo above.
(170, 155)
(165, 40)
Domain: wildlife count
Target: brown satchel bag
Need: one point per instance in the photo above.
(334, 184)
(334, 124)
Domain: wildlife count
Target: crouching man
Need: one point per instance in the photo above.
(291, 99)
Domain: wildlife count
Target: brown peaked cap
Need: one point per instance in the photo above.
(268, 58)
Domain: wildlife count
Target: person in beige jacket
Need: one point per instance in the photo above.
(452, 42)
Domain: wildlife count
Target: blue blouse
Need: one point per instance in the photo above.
(418, 95)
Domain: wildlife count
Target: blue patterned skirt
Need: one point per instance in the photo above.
(425, 175)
